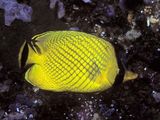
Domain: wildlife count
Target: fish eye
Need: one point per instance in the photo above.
(24, 55)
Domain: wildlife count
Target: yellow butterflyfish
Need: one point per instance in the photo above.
(69, 61)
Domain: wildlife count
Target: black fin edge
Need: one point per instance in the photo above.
(24, 56)
(119, 52)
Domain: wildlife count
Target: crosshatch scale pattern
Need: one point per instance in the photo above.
(77, 61)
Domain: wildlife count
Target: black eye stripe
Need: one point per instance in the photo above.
(24, 55)
(37, 48)
(34, 46)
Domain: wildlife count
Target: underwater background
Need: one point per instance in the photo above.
(132, 24)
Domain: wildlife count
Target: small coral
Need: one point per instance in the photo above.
(5, 86)
(14, 10)
(87, 1)
(132, 34)
(156, 96)
(110, 11)
(61, 9)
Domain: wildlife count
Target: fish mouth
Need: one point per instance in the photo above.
(26, 67)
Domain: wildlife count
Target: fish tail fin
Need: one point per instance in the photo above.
(129, 75)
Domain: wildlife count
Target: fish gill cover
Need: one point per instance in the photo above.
(135, 29)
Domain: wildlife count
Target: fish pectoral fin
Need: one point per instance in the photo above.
(129, 75)
(35, 75)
